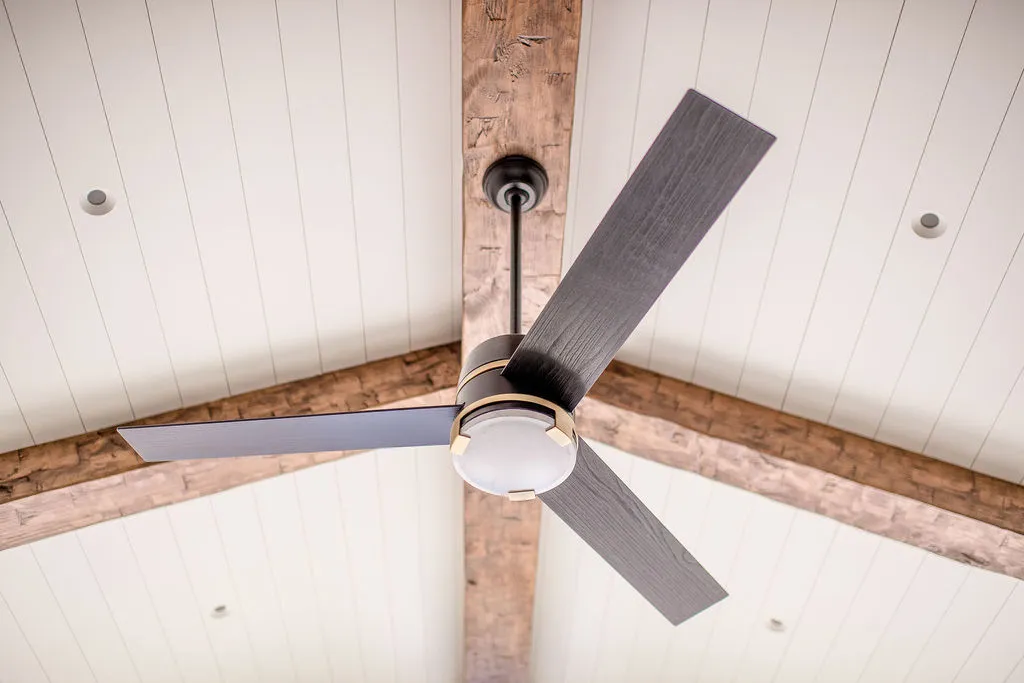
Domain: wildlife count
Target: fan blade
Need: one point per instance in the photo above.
(299, 434)
(694, 168)
(599, 507)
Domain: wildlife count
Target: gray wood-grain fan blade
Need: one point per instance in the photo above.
(694, 168)
(599, 507)
(300, 434)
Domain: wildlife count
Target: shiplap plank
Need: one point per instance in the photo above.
(731, 51)
(155, 549)
(975, 606)
(38, 615)
(559, 560)
(851, 69)
(250, 49)
(973, 275)
(369, 62)
(57, 60)
(280, 518)
(131, 605)
(920, 610)
(14, 432)
(918, 68)
(124, 59)
(424, 86)
(34, 206)
(358, 488)
(891, 573)
(198, 541)
(332, 580)
(999, 455)
(795, 38)
(316, 100)
(71, 579)
(972, 113)
(190, 64)
(241, 534)
(1001, 648)
(45, 410)
(20, 662)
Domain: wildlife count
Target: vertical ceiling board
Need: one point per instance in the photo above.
(591, 589)
(57, 62)
(316, 102)
(237, 519)
(455, 158)
(558, 560)
(124, 589)
(190, 65)
(727, 71)
(156, 551)
(809, 542)
(20, 662)
(920, 611)
(330, 561)
(439, 511)
(35, 610)
(919, 65)
(369, 62)
(250, 48)
(975, 606)
(851, 69)
(198, 542)
(424, 91)
(724, 523)
(14, 432)
(892, 571)
(400, 529)
(1001, 648)
(673, 40)
(970, 117)
(83, 605)
(280, 518)
(651, 482)
(124, 59)
(760, 550)
(359, 489)
(835, 588)
(787, 76)
(1000, 453)
(45, 410)
(33, 205)
(971, 278)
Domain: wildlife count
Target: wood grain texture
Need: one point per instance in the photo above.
(598, 506)
(693, 169)
(518, 79)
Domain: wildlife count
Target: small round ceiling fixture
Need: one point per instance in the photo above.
(97, 202)
(929, 225)
(776, 625)
(219, 612)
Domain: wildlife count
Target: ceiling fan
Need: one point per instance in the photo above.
(511, 432)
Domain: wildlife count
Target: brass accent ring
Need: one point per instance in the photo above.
(563, 432)
(476, 372)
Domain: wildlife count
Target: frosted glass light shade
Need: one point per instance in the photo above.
(509, 450)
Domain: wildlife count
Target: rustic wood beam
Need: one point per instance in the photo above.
(518, 76)
(75, 482)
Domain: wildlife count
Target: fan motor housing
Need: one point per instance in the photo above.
(505, 441)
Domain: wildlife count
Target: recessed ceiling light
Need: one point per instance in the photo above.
(97, 202)
(219, 612)
(929, 225)
(776, 625)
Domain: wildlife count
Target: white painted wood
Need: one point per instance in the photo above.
(727, 71)
(287, 548)
(124, 58)
(960, 143)
(190, 64)
(369, 63)
(1000, 453)
(316, 98)
(915, 77)
(37, 615)
(973, 275)
(57, 61)
(124, 589)
(250, 50)
(1001, 649)
(455, 141)
(851, 69)
(787, 76)
(33, 204)
(44, 410)
(69, 576)
(14, 432)
(424, 91)
(20, 662)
